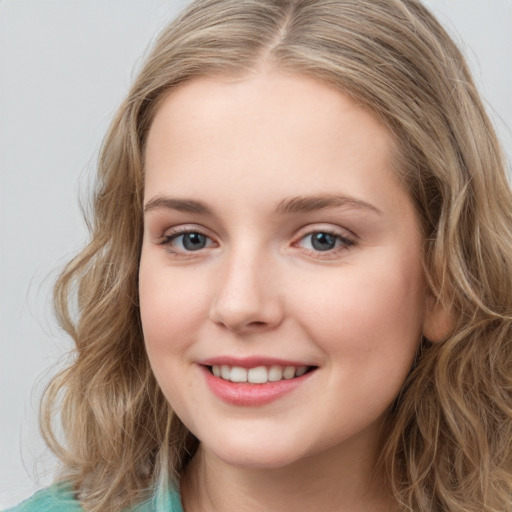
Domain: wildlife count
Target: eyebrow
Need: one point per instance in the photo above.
(304, 204)
(299, 204)
(182, 205)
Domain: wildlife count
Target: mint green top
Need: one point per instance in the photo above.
(59, 498)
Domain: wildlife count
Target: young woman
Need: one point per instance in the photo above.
(298, 291)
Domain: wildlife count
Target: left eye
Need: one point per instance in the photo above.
(192, 241)
(322, 241)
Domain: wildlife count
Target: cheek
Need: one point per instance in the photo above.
(170, 310)
(366, 309)
(170, 307)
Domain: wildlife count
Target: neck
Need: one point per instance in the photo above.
(330, 481)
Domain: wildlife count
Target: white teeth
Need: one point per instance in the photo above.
(289, 372)
(301, 370)
(258, 374)
(275, 373)
(225, 371)
(238, 374)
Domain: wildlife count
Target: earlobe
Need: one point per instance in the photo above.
(439, 320)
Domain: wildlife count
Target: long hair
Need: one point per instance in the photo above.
(447, 445)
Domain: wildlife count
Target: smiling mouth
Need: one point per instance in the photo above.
(258, 374)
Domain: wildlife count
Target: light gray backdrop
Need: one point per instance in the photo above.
(64, 67)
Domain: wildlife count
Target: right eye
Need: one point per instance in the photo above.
(186, 241)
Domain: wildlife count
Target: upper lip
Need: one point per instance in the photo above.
(251, 362)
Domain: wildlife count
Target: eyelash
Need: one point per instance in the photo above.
(167, 241)
(346, 242)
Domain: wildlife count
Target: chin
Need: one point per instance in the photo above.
(256, 459)
(257, 451)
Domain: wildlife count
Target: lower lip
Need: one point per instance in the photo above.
(245, 394)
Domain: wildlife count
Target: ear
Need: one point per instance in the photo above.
(439, 321)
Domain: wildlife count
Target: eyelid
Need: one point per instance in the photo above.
(183, 229)
(348, 238)
(172, 233)
(326, 228)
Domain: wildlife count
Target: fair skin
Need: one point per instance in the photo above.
(236, 271)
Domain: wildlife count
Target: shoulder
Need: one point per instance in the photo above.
(57, 498)
(169, 500)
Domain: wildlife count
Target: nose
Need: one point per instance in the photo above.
(247, 297)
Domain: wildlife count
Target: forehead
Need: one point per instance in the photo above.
(292, 132)
(264, 98)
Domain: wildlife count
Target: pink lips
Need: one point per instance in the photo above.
(246, 394)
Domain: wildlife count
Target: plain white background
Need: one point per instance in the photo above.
(64, 67)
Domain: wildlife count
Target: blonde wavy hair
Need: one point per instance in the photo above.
(448, 445)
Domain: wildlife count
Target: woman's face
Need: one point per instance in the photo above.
(280, 248)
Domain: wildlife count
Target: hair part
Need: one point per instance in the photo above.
(447, 444)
